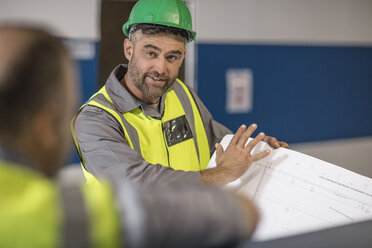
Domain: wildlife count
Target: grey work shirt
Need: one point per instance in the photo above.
(106, 152)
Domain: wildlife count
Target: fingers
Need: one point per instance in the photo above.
(219, 149)
(237, 135)
(260, 155)
(219, 153)
(283, 144)
(241, 136)
(274, 143)
(245, 136)
(243, 133)
(254, 142)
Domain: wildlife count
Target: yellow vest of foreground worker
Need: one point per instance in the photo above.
(177, 140)
(36, 212)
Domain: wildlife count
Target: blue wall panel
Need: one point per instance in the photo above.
(87, 70)
(301, 93)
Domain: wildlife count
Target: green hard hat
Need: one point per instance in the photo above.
(173, 13)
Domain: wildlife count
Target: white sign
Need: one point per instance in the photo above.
(239, 95)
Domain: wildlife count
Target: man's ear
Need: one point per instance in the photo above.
(47, 141)
(44, 127)
(184, 53)
(128, 49)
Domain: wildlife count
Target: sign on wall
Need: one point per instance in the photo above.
(239, 94)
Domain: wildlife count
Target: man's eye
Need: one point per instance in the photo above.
(151, 54)
(172, 58)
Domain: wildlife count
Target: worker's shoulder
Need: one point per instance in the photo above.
(92, 114)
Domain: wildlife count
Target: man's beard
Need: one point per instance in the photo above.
(149, 90)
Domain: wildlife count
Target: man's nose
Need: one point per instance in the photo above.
(160, 65)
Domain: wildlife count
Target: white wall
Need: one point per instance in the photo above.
(70, 19)
(264, 21)
(285, 21)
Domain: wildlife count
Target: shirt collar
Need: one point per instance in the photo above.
(123, 100)
(120, 96)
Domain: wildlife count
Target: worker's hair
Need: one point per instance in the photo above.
(32, 79)
(154, 29)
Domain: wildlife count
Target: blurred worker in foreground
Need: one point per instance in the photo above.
(38, 208)
(146, 125)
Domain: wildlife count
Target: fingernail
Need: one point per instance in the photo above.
(216, 145)
(243, 126)
(262, 134)
(254, 125)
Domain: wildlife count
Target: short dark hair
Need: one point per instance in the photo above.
(33, 79)
(154, 29)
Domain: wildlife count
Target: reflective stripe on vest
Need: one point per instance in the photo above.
(75, 227)
(177, 140)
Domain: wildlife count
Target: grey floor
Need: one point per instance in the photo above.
(353, 154)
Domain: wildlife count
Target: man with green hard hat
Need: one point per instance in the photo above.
(39, 208)
(148, 126)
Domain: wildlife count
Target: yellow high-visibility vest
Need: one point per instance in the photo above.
(36, 212)
(177, 140)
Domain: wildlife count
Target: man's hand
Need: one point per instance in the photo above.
(274, 143)
(236, 159)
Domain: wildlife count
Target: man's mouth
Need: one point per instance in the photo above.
(157, 78)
